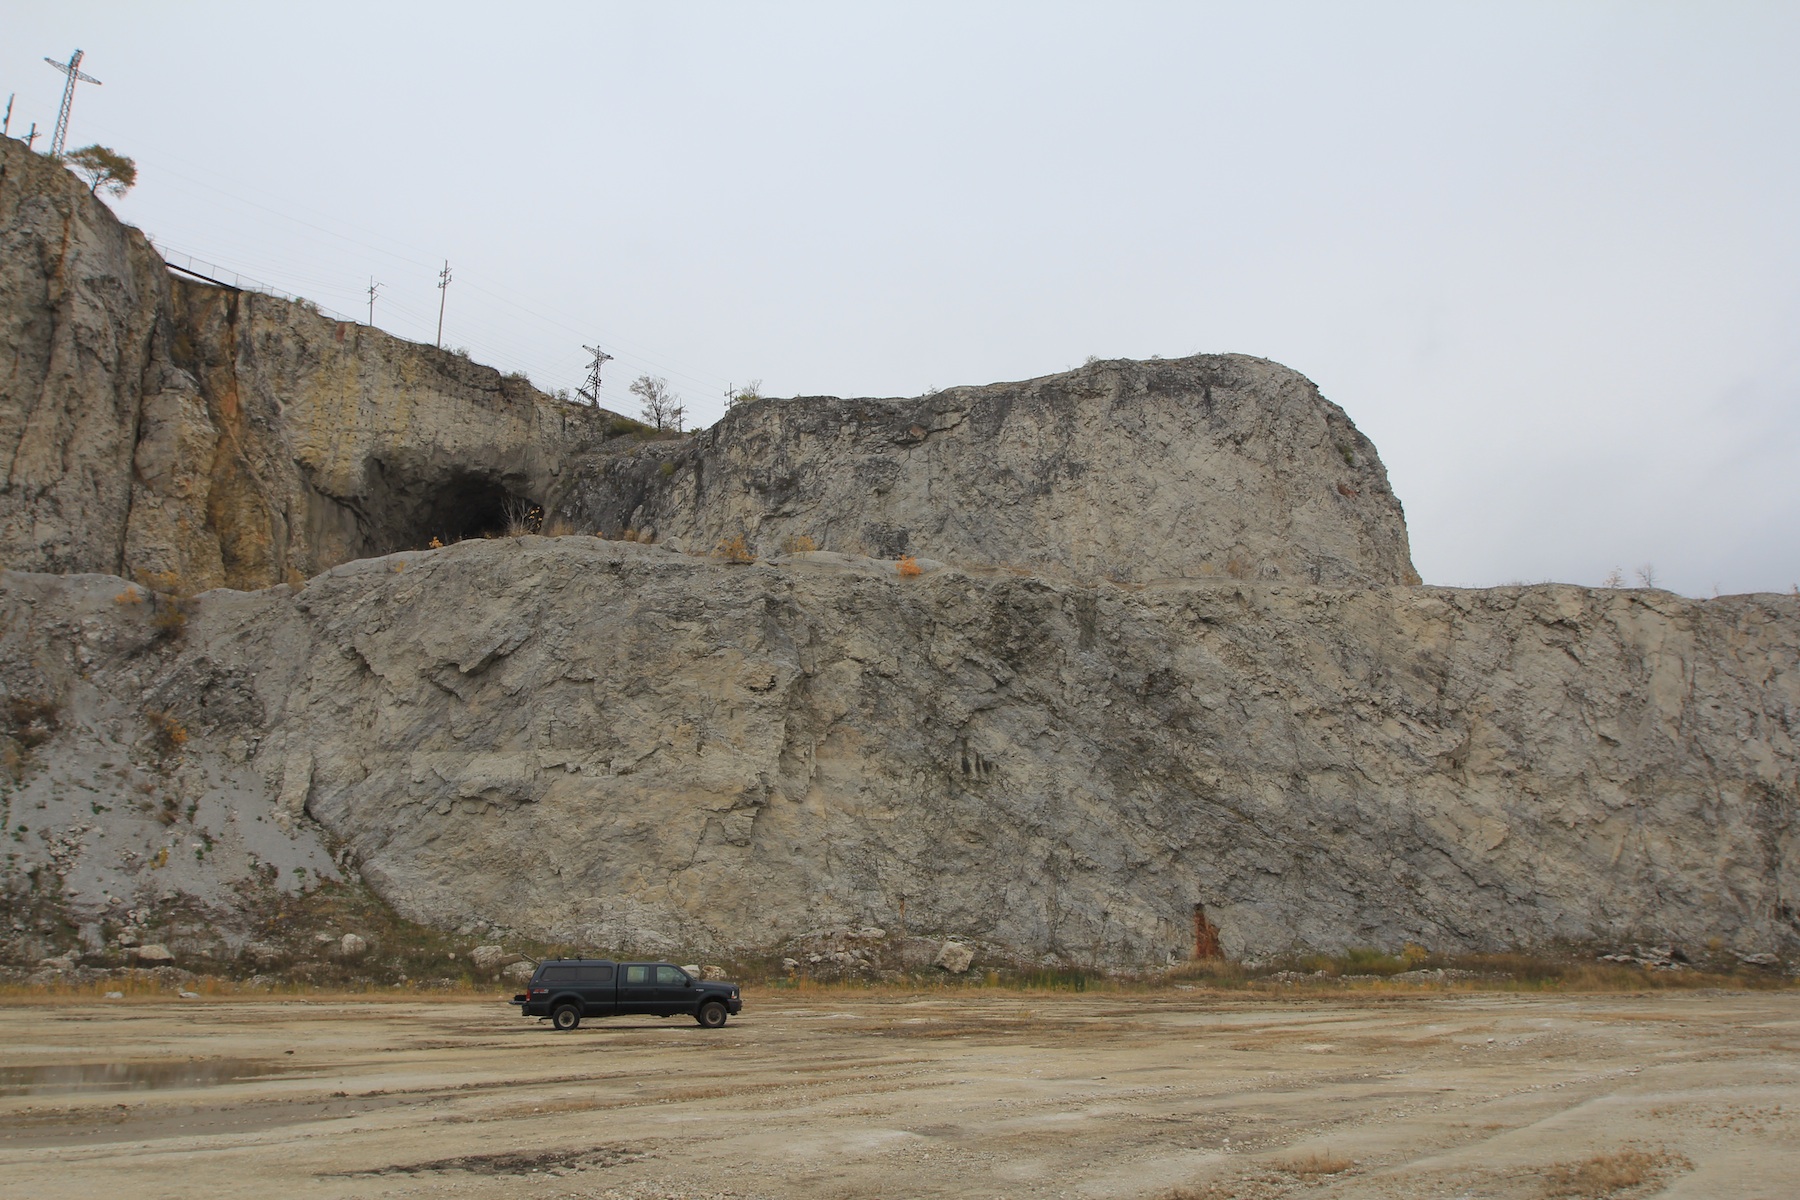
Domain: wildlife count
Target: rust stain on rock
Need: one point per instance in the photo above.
(1206, 935)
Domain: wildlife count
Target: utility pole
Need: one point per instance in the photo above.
(443, 294)
(6, 127)
(373, 288)
(591, 393)
(31, 138)
(72, 69)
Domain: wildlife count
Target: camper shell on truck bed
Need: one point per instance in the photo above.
(568, 989)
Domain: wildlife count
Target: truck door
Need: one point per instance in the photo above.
(637, 989)
(674, 990)
(595, 981)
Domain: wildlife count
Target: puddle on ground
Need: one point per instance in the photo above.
(63, 1078)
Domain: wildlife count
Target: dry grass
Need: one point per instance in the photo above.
(799, 543)
(1611, 1174)
(169, 733)
(31, 721)
(1313, 1165)
(169, 602)
(735, 550)
(523, 517)
(909, 567)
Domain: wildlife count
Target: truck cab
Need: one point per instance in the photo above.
(566, 990)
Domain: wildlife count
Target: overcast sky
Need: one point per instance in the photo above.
(1546, 256)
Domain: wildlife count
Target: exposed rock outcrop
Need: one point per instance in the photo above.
(1219, 466)
(151, 425)
(1172, 692)
(631, 748)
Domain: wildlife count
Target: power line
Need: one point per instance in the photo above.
(628, 352)
(276, 265)
(73, 70)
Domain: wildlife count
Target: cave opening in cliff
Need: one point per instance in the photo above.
(470, 506)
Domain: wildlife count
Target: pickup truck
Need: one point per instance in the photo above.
(568, 989)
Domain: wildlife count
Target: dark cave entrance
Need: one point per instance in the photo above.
(471, 506)
(404, 509)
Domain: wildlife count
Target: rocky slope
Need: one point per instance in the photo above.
(1211, 466)
(150, 425)
(631, 748)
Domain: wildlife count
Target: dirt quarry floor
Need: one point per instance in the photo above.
(832, 1094)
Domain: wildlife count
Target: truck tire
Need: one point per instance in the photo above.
(566, 1017)
(711, 1015)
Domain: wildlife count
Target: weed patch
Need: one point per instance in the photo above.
(31, 722)
(1314, 1165)
(167, 733)
(735, 550)
(1610, 1174)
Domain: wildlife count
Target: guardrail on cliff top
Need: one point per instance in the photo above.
(212, 273)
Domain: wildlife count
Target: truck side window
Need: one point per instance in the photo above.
(638, 974)
(557, 975)
(671, 977)
(590, 976)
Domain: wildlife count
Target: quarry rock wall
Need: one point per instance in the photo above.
(634, 749)
(1215, 466)
(155, 426)
(1159, 679)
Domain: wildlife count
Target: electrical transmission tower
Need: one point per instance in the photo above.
(72, 69)
(443, 294)
(591, 393)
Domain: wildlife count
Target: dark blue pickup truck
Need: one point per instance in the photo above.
(568, 989)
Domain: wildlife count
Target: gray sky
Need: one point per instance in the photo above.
(1544, 255)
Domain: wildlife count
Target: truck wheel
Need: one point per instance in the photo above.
(712, 1015)
(566, 1017)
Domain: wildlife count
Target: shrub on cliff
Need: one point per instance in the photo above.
(104, 168)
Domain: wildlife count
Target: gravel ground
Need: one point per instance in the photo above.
(854, 1094)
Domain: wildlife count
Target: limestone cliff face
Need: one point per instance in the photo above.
(1213, 466)
(1174, 660)
(640, 750)
(80, 297)
(151, 425)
